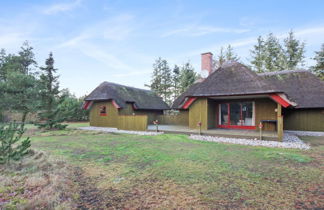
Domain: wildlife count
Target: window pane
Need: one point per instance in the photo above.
(235, 116)
(224, 114)
(102, 109)
(247, 113)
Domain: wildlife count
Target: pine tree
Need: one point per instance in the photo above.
(161, 82)
(166, 80)
(19, 84)
(2, 83)
(294, 51)
(318, 69)
(156, 77)
(27, 58)
(224, 56)
(176, 81)
(12, 147)
(230, 55)
(274, 57)
(188, 77)
(2, 62)
(258, 56)
(220, 59)
(50, 95)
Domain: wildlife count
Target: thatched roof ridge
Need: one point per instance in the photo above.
(233, 78)
(282, 72)
(143, 99)
(301, 86)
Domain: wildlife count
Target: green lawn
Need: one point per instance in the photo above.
(172, 171)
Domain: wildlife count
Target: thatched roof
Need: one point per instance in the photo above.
(232, 78)
(180, 100)
(300, 86)
(143, 99)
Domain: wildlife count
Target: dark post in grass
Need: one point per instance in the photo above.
(199, 125)
(156, 123)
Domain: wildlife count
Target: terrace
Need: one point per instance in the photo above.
(234, 133)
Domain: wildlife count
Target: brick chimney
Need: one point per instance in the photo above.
(207, 62)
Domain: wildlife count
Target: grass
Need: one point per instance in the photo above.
(172, 171)
(37, 182)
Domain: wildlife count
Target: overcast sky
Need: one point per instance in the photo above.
(117, 41)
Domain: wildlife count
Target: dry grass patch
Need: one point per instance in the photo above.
(37, 182)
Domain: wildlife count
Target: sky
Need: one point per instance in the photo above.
(118, 41)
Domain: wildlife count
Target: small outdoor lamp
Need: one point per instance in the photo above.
(156, 123)
(199, 125)
(260, 127)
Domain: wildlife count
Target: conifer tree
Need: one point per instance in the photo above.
(18, 82)
(294, 51)
(50, 96)
(274, 57)
(166, 83)
(2, 63)
(12, 146)
(220, 59)
(176, 81)
(223, 56)
(318, 69)
(258, 56)
(188, 76)
(27, 58)
(230, 55)
(161, 81)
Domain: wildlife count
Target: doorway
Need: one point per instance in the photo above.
(240, 115)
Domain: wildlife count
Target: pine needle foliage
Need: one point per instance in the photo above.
(12, 145)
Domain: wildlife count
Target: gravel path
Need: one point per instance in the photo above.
(305, 133)
(289, 141)
(115, 130)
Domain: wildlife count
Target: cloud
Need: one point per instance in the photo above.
(133, 73)
(103, 56)
(75, 40)
(196, 30)
(313, 35)
(61, 7)
(117, 28)
(98, 42)
(11, 40)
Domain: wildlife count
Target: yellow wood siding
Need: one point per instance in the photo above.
(206, 111)
(128, 110)
(132, 122)
(265, 110)
(110, 120)
(198, 113)
(304, 119)
(151, 115)
(212, 114)
(180, 119)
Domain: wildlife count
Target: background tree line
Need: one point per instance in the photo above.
(170, 83)
(267, 55)
(27, 88)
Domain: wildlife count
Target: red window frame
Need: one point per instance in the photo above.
(103, 110)
(247, 127)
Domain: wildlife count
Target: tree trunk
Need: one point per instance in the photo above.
(24, 116)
